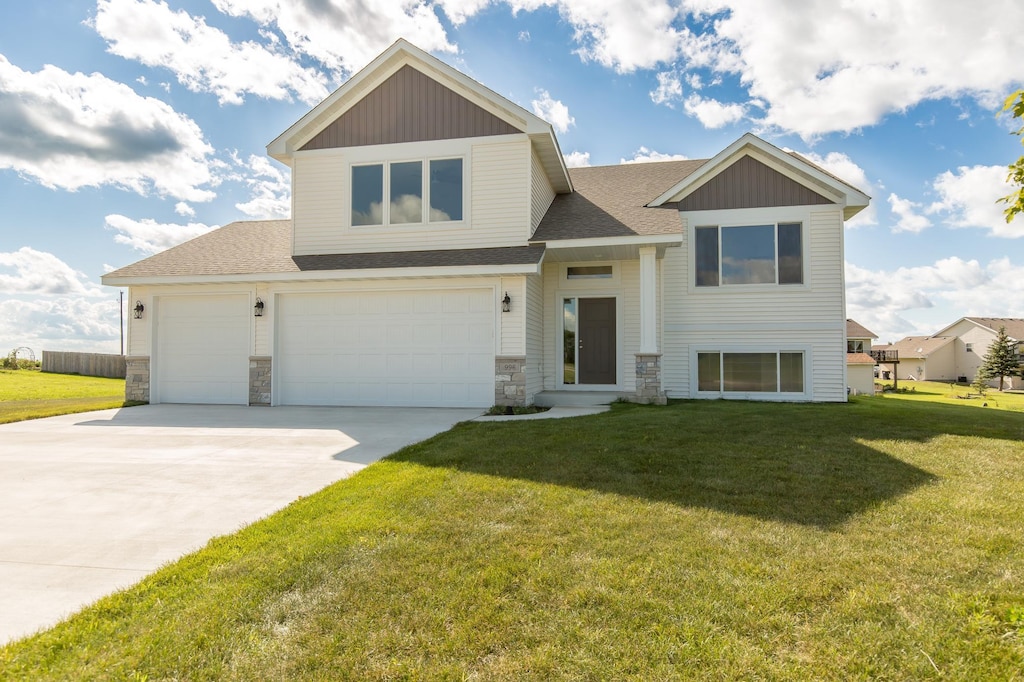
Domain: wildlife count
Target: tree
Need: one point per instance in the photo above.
(1001, 358)
(1015, 200)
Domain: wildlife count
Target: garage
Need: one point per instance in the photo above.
(429, 348)
(202, 349)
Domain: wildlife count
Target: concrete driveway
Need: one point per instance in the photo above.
(93, 502)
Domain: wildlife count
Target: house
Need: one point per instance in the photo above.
(921, 358)
(440, 253)
(973, 337)
(860, 365)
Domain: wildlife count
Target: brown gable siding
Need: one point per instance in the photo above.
(748, 183)
(408, 107)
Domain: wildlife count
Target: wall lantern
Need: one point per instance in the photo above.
(257, 309)
(506, 303)
(139, 308)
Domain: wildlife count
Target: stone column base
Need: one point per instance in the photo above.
(259, 380)
(510, 380)
(136, 383)
(648, 380)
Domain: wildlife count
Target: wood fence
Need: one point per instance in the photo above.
(86, 364)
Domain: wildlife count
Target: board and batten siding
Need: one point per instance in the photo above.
(541, 192)
(760, 318)
(496, 198)
(534, 337)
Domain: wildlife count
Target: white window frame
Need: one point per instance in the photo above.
(752, 395)
(425, 220)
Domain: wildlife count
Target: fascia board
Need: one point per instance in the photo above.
(639, 240)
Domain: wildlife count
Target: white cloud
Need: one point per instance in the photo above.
(645, 155)
(711, 113)
(345, 35)
(669, 90)
(577, 159)
(183, 209)
(553, 111)
(39, 272)
(151, 237)
(72, 130)
(270, 187)
(203, 58)
(847, 170)
(921, 300)
(907, 212)
(970, 198)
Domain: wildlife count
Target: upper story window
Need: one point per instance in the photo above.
(749, 254)
(854, 345)
(409, 191)
(970, 347)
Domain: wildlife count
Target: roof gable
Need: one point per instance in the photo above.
(1014, 325)
(794, 167)
(855, 330)
(749, 183)
(409, 106)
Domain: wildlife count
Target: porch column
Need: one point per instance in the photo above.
(648, 300)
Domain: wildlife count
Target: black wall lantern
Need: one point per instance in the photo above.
(257, 309)
(506, 303)
(139, 309)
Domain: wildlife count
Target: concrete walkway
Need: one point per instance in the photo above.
(93, 502)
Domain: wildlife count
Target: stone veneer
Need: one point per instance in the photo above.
(510, 380)
(259, 380)
(648, 379)
(136, 384)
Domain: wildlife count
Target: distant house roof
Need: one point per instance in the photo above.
(859, 359)
(854, 330)
(611, 201)
(916, 346)
(263, 247)
(1014, 325)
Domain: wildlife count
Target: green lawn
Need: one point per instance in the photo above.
(956, 394)
(879, 539)
(29, 394)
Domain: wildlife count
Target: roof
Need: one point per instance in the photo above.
(1014, 325)
(263, 247)
(859, 359)
(611, 201)
(854, 330)
(916, 346)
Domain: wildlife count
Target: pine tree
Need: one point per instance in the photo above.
(1001, 358)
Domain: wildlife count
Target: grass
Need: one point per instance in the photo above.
(955, 394)
(30, 394)
(704, 540)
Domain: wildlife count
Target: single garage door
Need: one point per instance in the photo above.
(400, 348)
(202, 349)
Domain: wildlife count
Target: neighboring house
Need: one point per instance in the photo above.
(973, 336)
(860, 366)
(921, 358)
(441, 253)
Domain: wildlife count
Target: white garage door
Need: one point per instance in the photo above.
(408, 348)
(202, 349)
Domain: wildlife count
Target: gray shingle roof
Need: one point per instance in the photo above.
(1014, 325)
(916, 346)
(263, 247)
(609, 201)
(854, 330)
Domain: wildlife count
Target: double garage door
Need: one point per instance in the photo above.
(398, 348)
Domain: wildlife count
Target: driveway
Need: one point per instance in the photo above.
(93, 502)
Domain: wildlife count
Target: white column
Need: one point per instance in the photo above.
(648, 300)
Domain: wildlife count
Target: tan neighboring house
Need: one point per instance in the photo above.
(973, 337)
(440, 253)
(860, 366)
(922, 358)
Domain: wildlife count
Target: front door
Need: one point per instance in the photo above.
(596, 341)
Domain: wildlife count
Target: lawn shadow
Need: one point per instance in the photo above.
(804, 464)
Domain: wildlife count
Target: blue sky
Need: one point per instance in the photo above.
(127, 126)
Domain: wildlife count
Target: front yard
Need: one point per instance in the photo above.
(709, 539)
(30, 394)
(955, 394)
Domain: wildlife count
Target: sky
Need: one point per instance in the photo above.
(128, 126)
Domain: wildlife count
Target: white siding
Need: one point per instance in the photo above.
(496, 208)
(535, 365)
(264, 325)
(138, 330)
(541, 193)
(763, 318)
(512, 323)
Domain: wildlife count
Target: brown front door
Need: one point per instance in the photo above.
(596, 341)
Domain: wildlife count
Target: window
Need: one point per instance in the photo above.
(749, 254)
(970, 347)
(750, 372)
(588, 272)
(406, 188)
(854, 345)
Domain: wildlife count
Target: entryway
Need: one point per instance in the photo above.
(589, 341)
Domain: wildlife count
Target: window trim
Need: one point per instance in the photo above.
(425, 221)
(776, 269)
(777, 349)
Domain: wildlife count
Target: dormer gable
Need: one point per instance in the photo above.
(751, 173)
